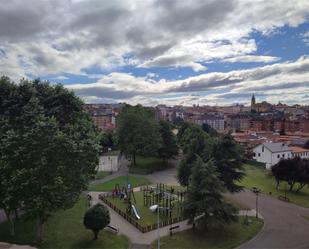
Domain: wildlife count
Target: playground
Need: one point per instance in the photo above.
(140, 207)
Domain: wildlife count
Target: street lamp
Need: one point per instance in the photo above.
(153, 208)
(256, 191)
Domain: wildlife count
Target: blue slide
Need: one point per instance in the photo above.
(135, 212)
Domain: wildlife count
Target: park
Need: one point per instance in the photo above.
(184, 190)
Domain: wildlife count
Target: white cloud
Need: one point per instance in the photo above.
(56, 36)
(233, 85)
(252, 58)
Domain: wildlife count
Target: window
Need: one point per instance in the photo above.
(262, 148)
(278, 156)
(254, 154)
(259, 154)
(283, 155)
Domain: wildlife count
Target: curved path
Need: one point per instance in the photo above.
(285, 226)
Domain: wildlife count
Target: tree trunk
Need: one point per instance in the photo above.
(16, 214)
(40, 229)
(95, 233)
(11, 222)
(301, 185)
(134, 159)
(277, 186)
(292, 185)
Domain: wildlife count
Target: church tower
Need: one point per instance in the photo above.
(253, 102)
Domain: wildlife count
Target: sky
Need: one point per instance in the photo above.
(173, 52)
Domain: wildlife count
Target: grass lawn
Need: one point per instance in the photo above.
(261, 178)
(121, 180)
(231, 236)
(236, 204)
(63, 230)
(147, 165)
(102, 174)
(147, 217)
(112, 153)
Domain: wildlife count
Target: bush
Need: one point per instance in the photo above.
(96, 218)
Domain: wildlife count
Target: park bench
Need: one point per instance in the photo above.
(113, 229)
(283, 198)
(172, 229)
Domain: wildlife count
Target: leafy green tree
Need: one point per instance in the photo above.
(138, 131)
(292, 170)
(107, 140)
(208, 129)
(204, 197)
(184, 169)
(96, 218)
(168, 148)
(227, 155)
(51, 146)
(195, 142)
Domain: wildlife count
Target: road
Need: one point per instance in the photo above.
(285, 226)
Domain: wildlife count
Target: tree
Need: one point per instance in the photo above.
(195, 142)
(204, 197)
(50, 145)
(208, 129)
(227, 155)
(184, 170)
(168, 148)
(292, 170)
(96, 218)
(138, 131)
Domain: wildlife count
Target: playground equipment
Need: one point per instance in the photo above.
(135, 212)
(127, 194)
(165, 197)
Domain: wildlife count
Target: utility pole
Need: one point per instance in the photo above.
(256, 191)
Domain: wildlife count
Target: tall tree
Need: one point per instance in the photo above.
(51, 145)
(138, 131)
(227, 155)
(204, 197)
(168, 148)
(96, 218)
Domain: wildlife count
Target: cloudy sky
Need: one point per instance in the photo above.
(161, 51)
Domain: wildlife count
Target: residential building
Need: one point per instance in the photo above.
(271, 153)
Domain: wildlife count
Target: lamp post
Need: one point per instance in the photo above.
(157, 208)
(256, 191)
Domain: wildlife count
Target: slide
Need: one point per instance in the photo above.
(135, 212)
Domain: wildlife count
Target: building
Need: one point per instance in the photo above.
(271, 153)
(299, 152)
(253, 102)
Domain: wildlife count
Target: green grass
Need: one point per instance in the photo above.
(102, 174)
(239, 205)
(121, 180)
(261, 178)
(147, 217)
(147, 165)
(231, 236)
(112, 153)
(65, 229)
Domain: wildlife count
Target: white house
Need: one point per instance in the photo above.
(271, 153)
(299, 152)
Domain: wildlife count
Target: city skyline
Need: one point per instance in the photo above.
(161, 52)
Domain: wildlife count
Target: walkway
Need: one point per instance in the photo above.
(284, 227)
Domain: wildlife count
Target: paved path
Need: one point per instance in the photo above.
(284, 227)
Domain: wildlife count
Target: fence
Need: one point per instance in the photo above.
(143, 229)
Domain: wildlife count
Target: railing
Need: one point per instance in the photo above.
(143, 229)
